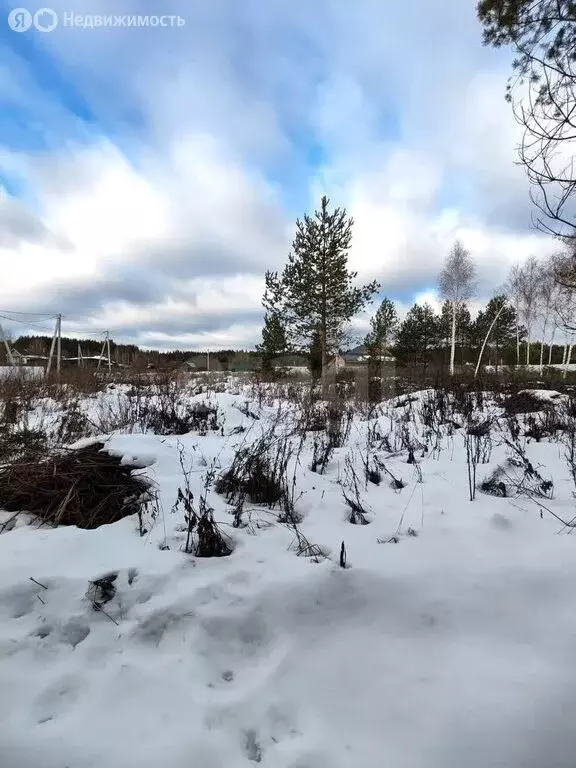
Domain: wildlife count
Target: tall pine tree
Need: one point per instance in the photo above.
(274, 342)
(315, 292)
(419, 334)
(382, 328)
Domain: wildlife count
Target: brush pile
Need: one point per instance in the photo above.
(86, 488)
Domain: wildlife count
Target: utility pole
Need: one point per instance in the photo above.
(7, 345)
(52, 348)
(102, 352)
(108, 350)
(59, 348)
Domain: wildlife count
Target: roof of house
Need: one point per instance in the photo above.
(356, 353)
(291, 360)
(361, 354)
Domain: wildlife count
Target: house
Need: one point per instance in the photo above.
(201, 362)
(357, 355)
(25, 359)
(361, 356)
(17, 357)
(295, 363)
(92, 362)
(336, 363)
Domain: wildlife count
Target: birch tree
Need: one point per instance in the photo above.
(457, 283)
(530, 275)
(514, 293)
(549, 294)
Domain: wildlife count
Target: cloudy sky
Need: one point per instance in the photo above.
(152, 175)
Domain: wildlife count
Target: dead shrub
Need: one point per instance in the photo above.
(522, 402)
(87, 488)
(251, 476)
(203, 535)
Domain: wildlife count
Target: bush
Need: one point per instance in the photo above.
(523, 402)
(86, 488)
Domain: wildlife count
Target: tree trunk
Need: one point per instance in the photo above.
(324, 374)
(517, 337)
(568, 358)
(528, 348)
(453, 343)
(542, 344)
(551, 345)
(486, 340)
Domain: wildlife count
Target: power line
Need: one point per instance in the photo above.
(26, 324)
(29, 314)
(87, 333)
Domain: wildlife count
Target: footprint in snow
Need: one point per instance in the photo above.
(18, 601)
(58, 698)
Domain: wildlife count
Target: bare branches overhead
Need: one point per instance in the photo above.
(543, 93)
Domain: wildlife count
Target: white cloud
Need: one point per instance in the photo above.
(172, 218)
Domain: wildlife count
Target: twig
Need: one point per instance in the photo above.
(98, 607)
(37, 582)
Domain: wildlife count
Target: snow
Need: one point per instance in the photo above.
(23, 371)
(449, 648)
(545, 395)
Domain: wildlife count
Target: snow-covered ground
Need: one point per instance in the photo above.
(21, 371)
(446, 642)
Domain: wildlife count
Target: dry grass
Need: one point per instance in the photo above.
(86, 487)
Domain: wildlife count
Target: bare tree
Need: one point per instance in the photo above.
(547, 153)
(523, 289)
(529, 297)
(549, 290)
(565, 275)
(457, 283)
(565, 302)
(542, 34)
(513, 291)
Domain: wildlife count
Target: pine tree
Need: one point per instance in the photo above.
(315, 292)
(382, 328)
(419, 334)
(315, 362)
(274, 342)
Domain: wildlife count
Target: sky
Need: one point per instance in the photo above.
(151, 175)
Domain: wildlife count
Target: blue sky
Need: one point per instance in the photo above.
(152, 175)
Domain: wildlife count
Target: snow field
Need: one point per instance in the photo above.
(449, 648)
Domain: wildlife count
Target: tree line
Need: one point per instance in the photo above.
(130, 354)
(310, 304)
